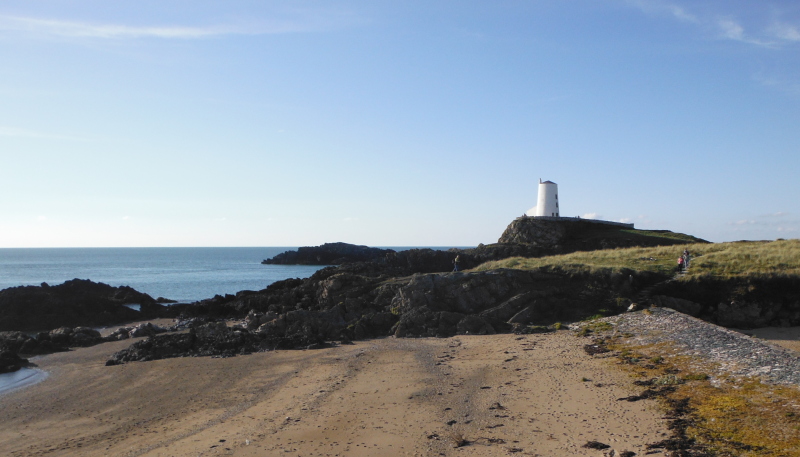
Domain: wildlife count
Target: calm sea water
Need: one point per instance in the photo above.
(182, 274)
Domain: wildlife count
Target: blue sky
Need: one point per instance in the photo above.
(425, 123)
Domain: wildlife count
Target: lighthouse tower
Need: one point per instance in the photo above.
(547, 205)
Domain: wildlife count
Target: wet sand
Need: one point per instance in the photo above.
(502, 394)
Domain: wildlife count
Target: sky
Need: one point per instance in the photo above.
(393, 123)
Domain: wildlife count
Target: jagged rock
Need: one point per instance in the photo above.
(744, 314)
(569, 235)
(10, 362)
(474, 325)
(74, 303)
(329, 254)
(60, 339)
(528, 230)
(678, 304)
(145, 329)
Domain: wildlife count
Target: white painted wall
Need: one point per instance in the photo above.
(547, 204)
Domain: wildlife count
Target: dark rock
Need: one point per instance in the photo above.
(329, 254)
(595, 445)
(73, 303)
(568, 235)
(678, 304)
(474, 325)
(10, 362)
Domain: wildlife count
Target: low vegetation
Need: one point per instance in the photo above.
(719, 260)
(718, 415)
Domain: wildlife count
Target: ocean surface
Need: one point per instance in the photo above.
(182, 274)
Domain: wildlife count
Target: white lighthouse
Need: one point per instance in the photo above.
(547, 204)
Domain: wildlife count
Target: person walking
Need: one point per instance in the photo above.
(686, 258)
(680, 264)
(455, 264)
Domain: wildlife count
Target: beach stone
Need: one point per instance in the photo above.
(10, 362)
(146, 329)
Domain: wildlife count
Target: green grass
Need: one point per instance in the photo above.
(722, 260)
(663, 234)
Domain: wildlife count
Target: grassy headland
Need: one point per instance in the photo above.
(719, 260)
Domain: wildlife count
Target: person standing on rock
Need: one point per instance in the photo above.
(455, 264)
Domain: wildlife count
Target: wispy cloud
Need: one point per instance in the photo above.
(733, 30)
(6, 131)
(660, 7)
(307, 22)
(723, 23)
(787, 86)
(785, 32)
(767, 223)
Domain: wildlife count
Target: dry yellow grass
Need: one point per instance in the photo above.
(727, 416)
(781, 257)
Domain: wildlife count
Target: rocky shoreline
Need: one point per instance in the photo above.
(378, 292)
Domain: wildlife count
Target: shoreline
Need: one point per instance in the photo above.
(392, 396)
(24, 377)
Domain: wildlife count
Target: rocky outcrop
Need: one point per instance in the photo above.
(329, 254)
(56, 340)
(145, 329)
(538, 232)
(10, 362)
(74, 303)
(212, 339)
(569, 235)
(351, 302)
(736, 302)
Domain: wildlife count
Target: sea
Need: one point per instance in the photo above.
(182, 274)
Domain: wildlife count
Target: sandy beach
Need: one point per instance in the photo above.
(496, 395)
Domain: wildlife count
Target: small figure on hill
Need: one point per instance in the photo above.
(680, 264)
(686, 258)
(455, 264)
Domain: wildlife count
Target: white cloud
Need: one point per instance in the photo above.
(776, 214)
(730, 29)
(743, 222)
(80, 29)
(656, 6)
(626, 220)
(41, 218)
(785, 32)
(592, 216)
(722, 24)
(304, 22)
(733, 30)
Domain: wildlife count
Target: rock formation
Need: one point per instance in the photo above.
(74, 303)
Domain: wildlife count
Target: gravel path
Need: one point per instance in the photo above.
(737, 354)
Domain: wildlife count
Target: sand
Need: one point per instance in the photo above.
(787, 337)
(502, 394)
